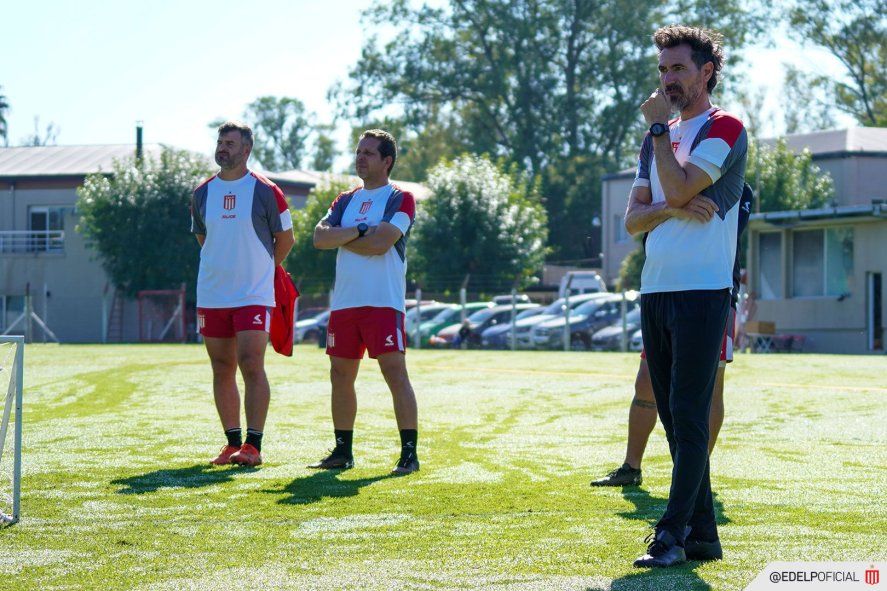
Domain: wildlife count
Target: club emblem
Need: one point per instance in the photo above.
(365, 207)
(229, 201)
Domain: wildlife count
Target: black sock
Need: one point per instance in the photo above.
(343, 441)
(254, 438)
(408, 439)
(235, 437)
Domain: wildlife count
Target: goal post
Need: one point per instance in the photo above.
(12, 372)
(162, 316)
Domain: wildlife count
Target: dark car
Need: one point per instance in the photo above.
(499, 336)
(585, 320)
(469, 332)
(610, 338)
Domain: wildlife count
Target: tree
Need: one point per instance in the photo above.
(549, 85)
(854, 32)
(4, 129)
(631, 268)
(786, 180)
(37, 139)
(286, 135)
(483, 219)
(313, 270)
(137, 219)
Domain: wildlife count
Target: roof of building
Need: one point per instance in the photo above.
(779, 218)
(56, 161)
(67, 161)
(833, 141)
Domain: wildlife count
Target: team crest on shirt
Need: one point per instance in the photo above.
(365, 206)
(675, 146)
(229, 202)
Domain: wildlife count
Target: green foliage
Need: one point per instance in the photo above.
(548, 85)
(631, 268)
(786, 180)
(483, 219)
(4, 129)
(137, 218)
(854, 32)
(313, 270)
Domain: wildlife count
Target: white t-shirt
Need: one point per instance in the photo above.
(239, 219)
(375, 280)
(688, 255)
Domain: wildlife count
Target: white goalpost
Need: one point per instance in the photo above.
(12, 371)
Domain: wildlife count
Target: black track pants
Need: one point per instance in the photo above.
(682, 332)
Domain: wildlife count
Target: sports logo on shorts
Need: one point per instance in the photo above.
(365, 206)
(229, 202)
(257, 319)
(330, 340)
(389, 341)
(201, 321)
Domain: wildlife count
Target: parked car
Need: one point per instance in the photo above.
(499, 336)
(428, 312)
(637, 341)
(598, 312)
(581, 282)
(523, 327)
(469, 332)
(448, 317)
(308, 329)
(610, 338)
(520, 298)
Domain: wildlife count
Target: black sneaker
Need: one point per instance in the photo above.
(663, 551)
(337, 460)
(624, 475)
(703, 550)
(406, 465)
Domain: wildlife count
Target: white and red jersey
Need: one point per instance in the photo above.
(239, 219)
(377, 280)
(688, 255)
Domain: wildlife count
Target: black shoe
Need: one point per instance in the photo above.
(337, 460)
(663, 551)
(406, 465)
(702, 550)
(624, 475)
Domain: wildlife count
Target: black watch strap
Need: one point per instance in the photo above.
(658, 129)
(361, 230)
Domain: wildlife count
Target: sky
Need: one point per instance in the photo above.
(94, 68)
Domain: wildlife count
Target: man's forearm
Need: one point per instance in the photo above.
(329, 237)
(642, 217)
(281, 249)
(672, 176)
(372, 244)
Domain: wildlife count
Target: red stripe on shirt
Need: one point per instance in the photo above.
(408, 204)
(726, 127)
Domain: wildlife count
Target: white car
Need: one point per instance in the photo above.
(309, 328)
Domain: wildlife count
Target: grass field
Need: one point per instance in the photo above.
(118, 495)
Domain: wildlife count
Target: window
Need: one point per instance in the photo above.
(822, 262)
(11, 307)
(620, 234)
(46, 223)
(770, 265)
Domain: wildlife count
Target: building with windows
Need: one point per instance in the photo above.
(817, 274)
(46, 262)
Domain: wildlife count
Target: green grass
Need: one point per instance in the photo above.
(118, 495)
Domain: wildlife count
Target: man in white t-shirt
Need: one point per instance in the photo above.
(244, 227)
(370, 226)
(686, 193)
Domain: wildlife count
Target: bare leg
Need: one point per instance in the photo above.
(251, 345)
(716, 417)
(223, 358)
(343, 373)
(394, 368)
(641, 417)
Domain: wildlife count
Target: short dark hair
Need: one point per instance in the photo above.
(705, 46)
(387, 144)
(246, 132)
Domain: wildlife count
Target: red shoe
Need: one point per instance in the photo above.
(225, 455)
(247, 456)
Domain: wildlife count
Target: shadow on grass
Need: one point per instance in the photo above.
(649, 508)
(682, 577)
(322, 484)
(191, 477)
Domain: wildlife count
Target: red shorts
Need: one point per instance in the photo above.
(225, 323)
(352, 331)
(727, 343)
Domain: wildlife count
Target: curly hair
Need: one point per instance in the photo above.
(705, 46)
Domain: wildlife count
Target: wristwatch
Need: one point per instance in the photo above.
(362, 229)
(658, 129)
